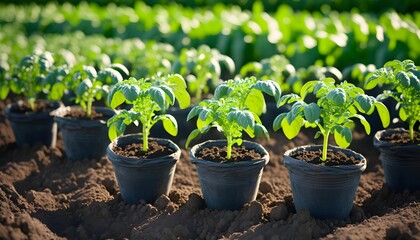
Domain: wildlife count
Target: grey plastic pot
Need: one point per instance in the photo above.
(143, 179)
(326, 191)
(229, 186)
(401, 163)
(32, 128)
(84, 139)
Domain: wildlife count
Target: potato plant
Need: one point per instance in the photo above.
(87, 83)
(28, 75)
(201, 66)
(149, 97)
(234, 109)
(403, 77)
(333, 112)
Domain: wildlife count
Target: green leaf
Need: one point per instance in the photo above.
(312, 112)
(130, 92)
(337, 96)
(222, 91)
(117, 98)
(57, 91)
(289, 98)
(342, 136)
(109, 76)
(260, 129)
(120, 68)
(4, 91)
(292, 130)
(195, 133)
(383, 113)
(182, 96)
(194, 112)
(364, 122)
(91, 72)
(168, 91)
(158, 95)
(364, 103)
(269, 87)
(371, 82)
(203, 123)
(255, 102)
(177, 80)
(278, 120)
(307, 88)
(112, 132)
(169, 124)
(403, 114)
(243, 118)
(83, 86)
(403, 78)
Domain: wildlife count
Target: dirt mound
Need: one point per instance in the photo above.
(45, 196)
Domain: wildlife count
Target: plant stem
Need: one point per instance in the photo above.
(229, 147)
(411, 129)
(325, 146)
(89, 108)
(32, 104)
(145, 137)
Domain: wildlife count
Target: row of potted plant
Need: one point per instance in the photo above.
(229, 175)
(323, 178)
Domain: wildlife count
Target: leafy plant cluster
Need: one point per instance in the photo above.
(327, 37)
(37, 75)
(403, 80)
(333, 113)
(149, 98)
(235, 108)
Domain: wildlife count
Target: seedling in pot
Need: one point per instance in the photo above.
(149, 97)
(234, 109)
(404, 81)
(28, 76)
(90, 85)
(333, 113)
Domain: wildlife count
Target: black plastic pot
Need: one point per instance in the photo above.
(143, 179)
(401, 163)
(84, 139)
(229, 186)
(326, 191)
(32, 128)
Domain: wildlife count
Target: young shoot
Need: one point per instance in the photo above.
(90, 85)
(149, 97)
(234, 109)
(225, 115)
(333, 112)
(28, 76)
(403, 79)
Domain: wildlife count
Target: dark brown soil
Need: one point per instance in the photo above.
(402, 138)
(136, 150)
(40, 106)
(78, 113)
(333, 158)
(43, 196)
(219, 154)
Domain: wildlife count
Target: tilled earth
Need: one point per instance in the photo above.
(44, 196)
